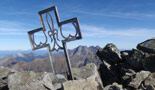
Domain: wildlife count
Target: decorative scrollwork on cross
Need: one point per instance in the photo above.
(32, 39)
(55, 35)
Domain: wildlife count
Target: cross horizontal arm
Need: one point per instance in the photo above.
(47, 10)
(76, 25)
(68, 21)
(35, 30)
(32, 39)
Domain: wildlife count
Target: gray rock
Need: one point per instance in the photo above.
(83, 84)
(124, 55)
(128, 77)
(114, 86)
(147, 46)
(140, 77)
(33, 81)
(4, 73)
(88, 79)
(149, 83)
(110, 53)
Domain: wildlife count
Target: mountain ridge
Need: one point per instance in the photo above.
(38, 60)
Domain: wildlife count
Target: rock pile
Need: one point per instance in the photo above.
(86, 78)
(130, 69)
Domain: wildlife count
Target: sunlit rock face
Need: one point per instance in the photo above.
(4, 73)
(87, 79)
(30, 81)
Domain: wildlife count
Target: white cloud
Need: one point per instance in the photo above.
(94, 31)
(17, 28)
(13, 28)
(125, 15)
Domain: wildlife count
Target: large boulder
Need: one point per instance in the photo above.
(149, 63)
(111, 69)
(149, 83)
(144, 80)
(33, 81)
(83, 84)
(4, 73)
(107, 75)
(147, 46)
(87, 79)
(133, 59)
(139, 78)
(110, 53)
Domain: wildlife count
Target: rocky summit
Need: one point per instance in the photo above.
(129, 69)
(119, 70)
(86, 78)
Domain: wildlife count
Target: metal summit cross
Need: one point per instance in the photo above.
(53, 35)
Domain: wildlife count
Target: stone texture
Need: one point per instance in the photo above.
(83, 84)
(149, 63)
(149, 83)
(87, 79)
(32, 81)
(139, 78)
(110, 53)
(133, 59)
(108, 76)
(128, 77)
(111, 69)
(114, 86)
(147, 46)
(4, 73)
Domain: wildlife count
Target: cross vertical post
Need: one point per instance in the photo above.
(56, 36)
(68, 61)
(51, 59)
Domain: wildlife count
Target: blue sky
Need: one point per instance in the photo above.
(122, 22)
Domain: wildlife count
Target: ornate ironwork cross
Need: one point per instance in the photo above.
(50, 32)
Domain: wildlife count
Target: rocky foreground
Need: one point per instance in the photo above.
(131, 69)
(87, 78)
(120, 70)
